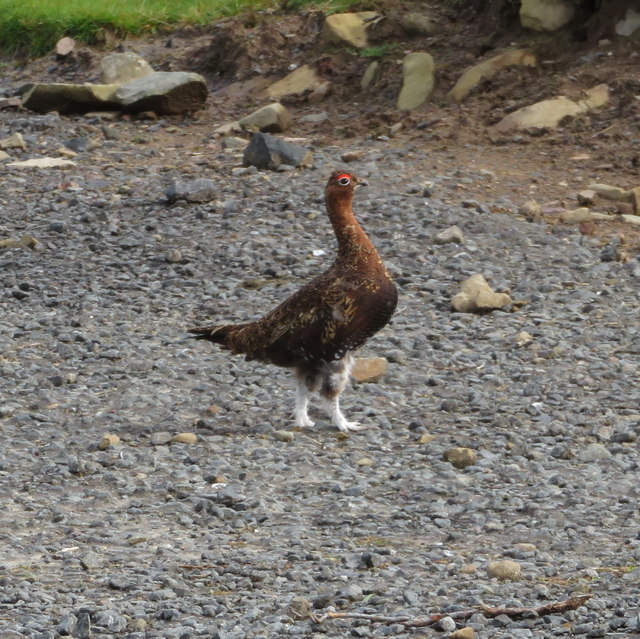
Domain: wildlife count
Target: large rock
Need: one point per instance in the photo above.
(349, 28)
(545, 15)
(272, 118)
(477, 296)
(267, 152)
(70, 98)
(473, 76)
(120, 68)
(418, 78)
(164, 92)
(549, 113)
(302, 79)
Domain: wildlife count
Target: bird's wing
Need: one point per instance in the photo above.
(322, 321)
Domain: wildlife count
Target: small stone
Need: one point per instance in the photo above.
(417, 24)
(315, 118)
(523, 338)
(349, 28)
(173, 256)
(463, 633)
(272, 118)
(451, 235)
(352, 156)
(370, 75)
(83, 626)
(446, 624)
(15, 141)
(426, 438)
(267, 152)
(67, 625)
(369, 369)
(468, 569)
(65, 46)
(460, 457)
(531, 210)
(43, 163)
(525, 547)
(594, 452)
(586, 197)
(418, 80)
(58, 226)
(477, 296)
(160, 439)
(200, 190)
(108, 441)
(184, 438)
(90, 561)
(298, 609)
(284, 435)
(78, 145)
(352, 592)
(365, 462)
(505, 569)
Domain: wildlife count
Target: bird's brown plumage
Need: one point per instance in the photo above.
(330, 316)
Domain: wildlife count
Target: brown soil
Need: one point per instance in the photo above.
(550, 167)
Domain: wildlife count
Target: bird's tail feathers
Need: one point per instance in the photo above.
(215, 334)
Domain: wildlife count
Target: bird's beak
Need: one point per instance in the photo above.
(361, 183)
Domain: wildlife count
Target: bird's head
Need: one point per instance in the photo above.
(342, 183)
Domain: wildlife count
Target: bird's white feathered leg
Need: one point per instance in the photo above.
(302, 402)
(335, 379)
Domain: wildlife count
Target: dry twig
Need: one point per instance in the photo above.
(488, 611)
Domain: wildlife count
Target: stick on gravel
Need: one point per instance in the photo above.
(488, 611)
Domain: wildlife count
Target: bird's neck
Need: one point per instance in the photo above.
(353, 242)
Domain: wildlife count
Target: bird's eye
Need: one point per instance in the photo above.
(343, 180)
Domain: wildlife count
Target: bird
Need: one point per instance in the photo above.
(317, 329)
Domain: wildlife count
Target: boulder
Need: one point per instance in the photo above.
(302, 79)
(120, 68)
(476, 296)
(272, 118)
(473, 76)
(349, 28)
(418, 78)
(545, 15)
(267, 152)
(549, 113)
(164, 92)
(70, 98)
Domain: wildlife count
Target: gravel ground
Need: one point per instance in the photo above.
(145, 537)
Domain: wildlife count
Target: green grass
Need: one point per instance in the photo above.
(32, 27)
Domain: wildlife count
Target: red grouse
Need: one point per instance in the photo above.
(316, 330)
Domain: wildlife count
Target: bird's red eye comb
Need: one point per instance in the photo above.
(344, 179)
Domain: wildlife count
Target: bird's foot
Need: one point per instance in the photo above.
(303, 421)
(347, 426)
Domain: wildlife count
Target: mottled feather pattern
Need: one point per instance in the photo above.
(326, 319)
